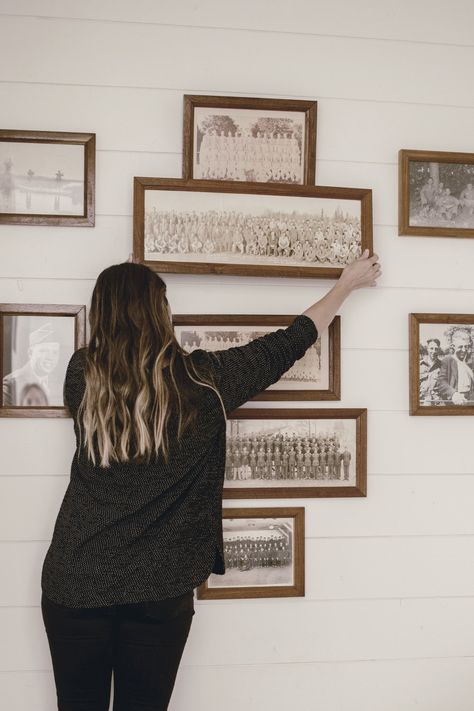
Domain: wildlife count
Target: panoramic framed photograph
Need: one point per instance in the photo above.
(263, 553)
(316, 376)
(249, 139)
(296, 453)
(436, 194)
(47, 178)
(206, 227)
(37, 342)
(442, 364)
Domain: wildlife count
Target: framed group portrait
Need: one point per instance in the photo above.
(441, 364)
(436, 194)
(296, 453)
(260, 140)
(263, 553)
(208, 227)
(36, 344)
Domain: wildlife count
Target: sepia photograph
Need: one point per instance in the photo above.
(249, 139)
(436, 194)
(37, 344)
(295, 453)
(263, 553)
(316, 376)
(441, 364)
(47, 178)
(209, 227)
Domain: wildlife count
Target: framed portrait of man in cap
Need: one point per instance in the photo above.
(37, 342)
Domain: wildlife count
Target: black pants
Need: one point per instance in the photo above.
(141, 642)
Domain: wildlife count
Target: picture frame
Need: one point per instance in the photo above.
(316, 376)
(36, 343)
(436, 194)
(212, 227)
(249, 139)
(264, 552)
(439, 384)
(296, 453)
(48, 178)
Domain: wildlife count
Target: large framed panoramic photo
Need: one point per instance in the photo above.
(436, 194)
(296, 453)
(36, 343)
(264, 555)
(249, 139)
(203, 227)
(315, 376)
(48, 178)
(442, 364)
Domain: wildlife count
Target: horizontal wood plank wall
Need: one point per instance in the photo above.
(387, 621)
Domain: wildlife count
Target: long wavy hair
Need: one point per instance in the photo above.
(128, 398)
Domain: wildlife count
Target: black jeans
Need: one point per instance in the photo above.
(142, 643)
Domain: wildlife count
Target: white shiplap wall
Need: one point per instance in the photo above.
(388, 619)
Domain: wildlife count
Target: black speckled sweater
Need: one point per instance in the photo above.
(136, 532)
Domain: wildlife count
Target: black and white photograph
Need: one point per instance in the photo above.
(264, 554)
(251, 140)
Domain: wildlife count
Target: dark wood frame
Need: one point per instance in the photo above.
(310, 108)
(295, 590)
(334, 389)
(404, 158)
(304, 492)
(87, 219)
(79, 314)
(141, 185)
(415, 320)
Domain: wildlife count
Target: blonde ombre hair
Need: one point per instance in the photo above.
(128, 401)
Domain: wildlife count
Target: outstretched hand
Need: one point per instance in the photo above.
(363, 272)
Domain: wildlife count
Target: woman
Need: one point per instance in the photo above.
(140, 525)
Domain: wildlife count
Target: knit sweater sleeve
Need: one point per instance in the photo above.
(242, 372)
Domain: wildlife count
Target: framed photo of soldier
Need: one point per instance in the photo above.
(263, 553)
(296, 453)
(208, 227)
(249, 139)
(47, 178)
(436, 194)
(442, 364)
(316, 376)
(37, 342)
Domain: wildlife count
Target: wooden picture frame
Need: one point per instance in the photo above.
(236, 201)
(260, 555)
(432, 384)
(260, 476)
(331, 360)
(35, 372)
(237, 111)
(444, 208)
(51, 197)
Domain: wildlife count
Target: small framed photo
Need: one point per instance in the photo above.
(250, 140)
(316, 376)
(436, 194)
(37, 342)
(442, 364)
(47, 178)
(206, 227)
(296, 453)
(264, 555)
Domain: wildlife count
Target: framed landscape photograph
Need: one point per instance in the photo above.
(248, 139)
(37, 342)
(436, 194)
(442, 364)
(208, 227)
(316, 376)
(263, 553)
(296, 453)
(47, 178)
